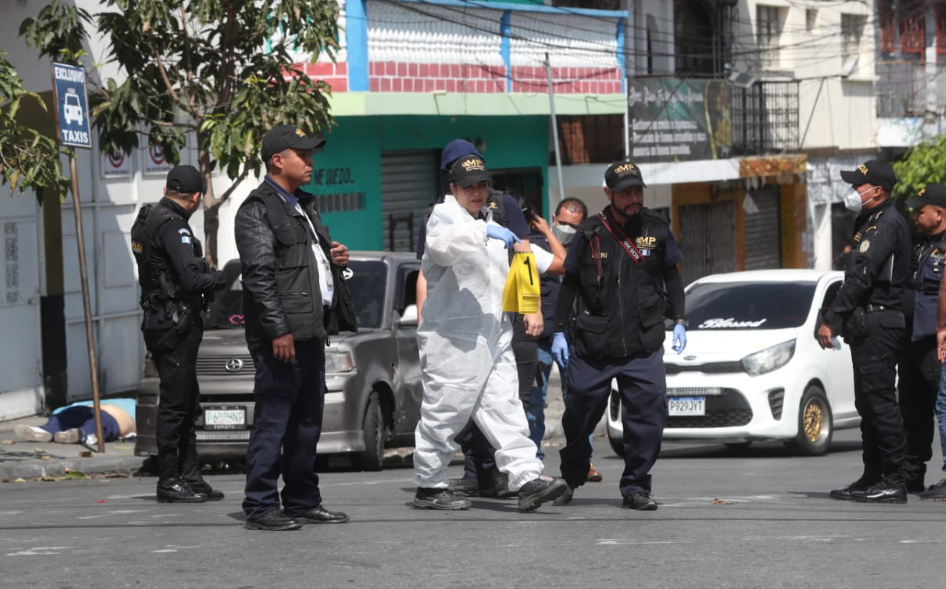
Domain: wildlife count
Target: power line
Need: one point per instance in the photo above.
(602, 48)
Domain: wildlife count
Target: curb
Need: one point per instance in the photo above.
(58, 466)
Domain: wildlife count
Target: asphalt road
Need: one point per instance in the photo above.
(749, 518)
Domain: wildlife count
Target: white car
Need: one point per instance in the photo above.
(752, 368)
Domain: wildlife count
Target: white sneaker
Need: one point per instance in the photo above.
(31, 433)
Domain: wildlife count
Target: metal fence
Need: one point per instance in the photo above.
(902, 89)
(765, 118)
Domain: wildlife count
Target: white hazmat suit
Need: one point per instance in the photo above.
(466, 354)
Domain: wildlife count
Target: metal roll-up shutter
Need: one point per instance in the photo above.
(762, 230)
(707, 239)
(408, 186)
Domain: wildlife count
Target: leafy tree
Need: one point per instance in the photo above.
(221, 72)
(28, 158)
(923, 164)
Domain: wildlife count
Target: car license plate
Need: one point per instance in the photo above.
(687, 406)
(225, 418)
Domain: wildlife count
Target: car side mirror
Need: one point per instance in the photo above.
(408, 317)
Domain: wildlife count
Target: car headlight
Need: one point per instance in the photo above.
(769, 359)
(338, 362)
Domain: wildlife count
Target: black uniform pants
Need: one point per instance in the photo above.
(642, 384)
(175, 357)
(918, 387)
(875, 394)
(287, 425)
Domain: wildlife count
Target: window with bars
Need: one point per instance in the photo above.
(591, 139)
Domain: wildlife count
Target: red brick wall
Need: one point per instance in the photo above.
(475, 79)
(335, 74)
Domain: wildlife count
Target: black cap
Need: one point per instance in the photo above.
(873, 172)
(283, 137)
(468, 170)
(185, 180)
(622, 175)
(933, 194)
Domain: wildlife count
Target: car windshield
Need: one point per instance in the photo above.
(748, 305)
(366, 280)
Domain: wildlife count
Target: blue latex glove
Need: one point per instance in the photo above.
(502, 234)
(560, 349)
(679, 338)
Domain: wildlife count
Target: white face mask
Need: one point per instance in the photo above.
(853, 202)
(564, 233)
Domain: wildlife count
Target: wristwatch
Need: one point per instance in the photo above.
(681, 321)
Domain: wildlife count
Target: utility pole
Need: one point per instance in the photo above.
(558, 152)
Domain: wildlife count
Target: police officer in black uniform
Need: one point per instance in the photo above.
(919, 367)
(867, 313)
(622, 266)
(175, 283)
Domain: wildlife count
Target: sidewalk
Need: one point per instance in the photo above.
(29, 460)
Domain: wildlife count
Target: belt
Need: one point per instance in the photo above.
(871, 308)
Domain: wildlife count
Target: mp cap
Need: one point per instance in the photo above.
(622, 175)
(468, 170)
(283, 137)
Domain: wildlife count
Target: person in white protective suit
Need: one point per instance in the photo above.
(466, 352)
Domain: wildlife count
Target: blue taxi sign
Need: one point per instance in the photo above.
(72, 106)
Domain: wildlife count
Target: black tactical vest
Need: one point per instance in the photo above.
(929, 259)
(622, 297)
(159, 287)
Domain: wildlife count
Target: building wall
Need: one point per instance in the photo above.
(837, 112)
(351, 162)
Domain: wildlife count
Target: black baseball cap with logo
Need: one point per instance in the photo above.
(283, 137)
(185, 180)
(622, 175)
(468, 170)
(933, 194)
(873, 172)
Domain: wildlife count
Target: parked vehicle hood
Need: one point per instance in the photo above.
(724, 346)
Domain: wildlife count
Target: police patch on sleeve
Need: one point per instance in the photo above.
(185, 235)
(865, 245)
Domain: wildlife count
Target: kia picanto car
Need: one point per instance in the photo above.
(373, 376)
(752, 368)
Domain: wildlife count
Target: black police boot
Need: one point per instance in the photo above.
(171, 488)
(862, 484)
(435, 498)
(639, 501)
(936, 492)
(191, 475)
(890, 489)
(536, 492)
(464, 487)
(566, 497)
(498, 487)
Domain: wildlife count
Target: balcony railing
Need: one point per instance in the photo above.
(902, 89)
